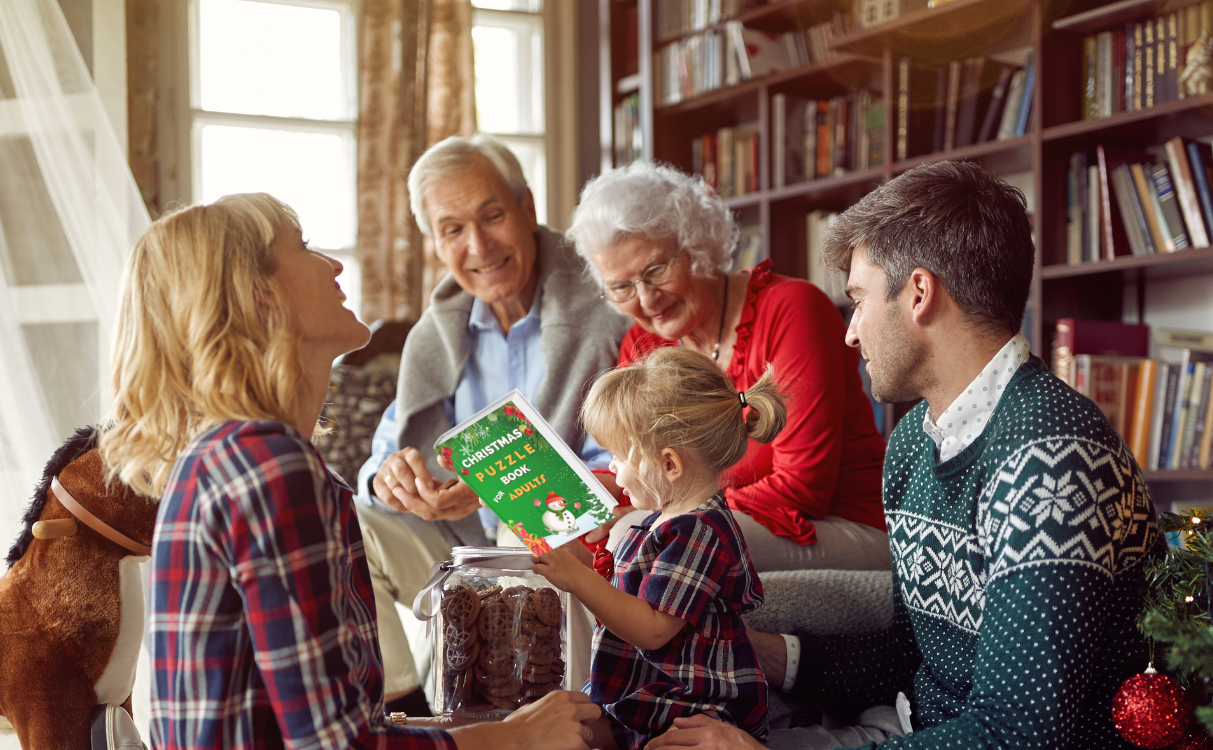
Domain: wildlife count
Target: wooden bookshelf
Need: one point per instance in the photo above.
(868, 58)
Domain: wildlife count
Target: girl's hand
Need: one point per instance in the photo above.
(560, 568)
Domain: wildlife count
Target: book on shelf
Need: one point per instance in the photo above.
(1168, 207)
(1074, 336)
(629, 136)
(875, 12)
(1139, 65)
(827, 280)
(728, 160)
(961, 103)
(1160, 408)
(749, 248)
(811, 139)
(679, 17)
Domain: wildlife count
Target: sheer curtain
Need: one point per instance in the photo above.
(69, 212)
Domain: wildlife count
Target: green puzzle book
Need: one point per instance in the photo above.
(517, 464)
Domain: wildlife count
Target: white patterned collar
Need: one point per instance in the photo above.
(963, 421)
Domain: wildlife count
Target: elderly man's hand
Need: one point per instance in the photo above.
(704, 733)
(405, 483)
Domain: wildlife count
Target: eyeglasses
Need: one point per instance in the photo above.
(622, 291)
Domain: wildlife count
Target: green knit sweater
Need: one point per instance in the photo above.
(1017, 580)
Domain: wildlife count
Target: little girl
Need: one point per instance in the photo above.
(670, 640)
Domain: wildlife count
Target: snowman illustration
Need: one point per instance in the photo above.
(557, 519)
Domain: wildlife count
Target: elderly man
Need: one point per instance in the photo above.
(518, 311)
(1018, 520)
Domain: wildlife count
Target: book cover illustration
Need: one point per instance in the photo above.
(517, 464)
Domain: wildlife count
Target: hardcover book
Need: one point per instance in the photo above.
(525, 474)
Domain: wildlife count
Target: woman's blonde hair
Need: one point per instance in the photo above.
(203, 334)
(677, 398)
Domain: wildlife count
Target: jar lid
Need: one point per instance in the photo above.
(501, 558)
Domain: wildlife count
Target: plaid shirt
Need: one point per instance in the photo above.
(696, 567)
(262, 616)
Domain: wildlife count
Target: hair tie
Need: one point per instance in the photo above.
(741, 398)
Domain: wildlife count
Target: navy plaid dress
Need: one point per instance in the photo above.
(695, 567)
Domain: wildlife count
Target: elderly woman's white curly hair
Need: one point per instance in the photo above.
(655, 202)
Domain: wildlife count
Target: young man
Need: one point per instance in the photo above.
(1018, 520)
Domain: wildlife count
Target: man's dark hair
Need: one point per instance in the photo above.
(958, 221)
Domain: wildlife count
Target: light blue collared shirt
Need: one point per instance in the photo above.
(497, 364)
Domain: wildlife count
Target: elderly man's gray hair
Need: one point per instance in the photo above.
(455, 153)
(655, 202)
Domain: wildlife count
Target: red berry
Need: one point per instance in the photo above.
(465, 472)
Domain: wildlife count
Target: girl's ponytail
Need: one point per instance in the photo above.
(768, 415)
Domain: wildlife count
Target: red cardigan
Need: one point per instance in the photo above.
(829, 457)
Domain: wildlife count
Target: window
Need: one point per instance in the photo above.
(273, 108)
(507, 36)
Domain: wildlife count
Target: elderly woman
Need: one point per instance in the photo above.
(660, 242)
(263, 620)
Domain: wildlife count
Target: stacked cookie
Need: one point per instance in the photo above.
(501, 647)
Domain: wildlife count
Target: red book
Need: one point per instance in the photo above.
(1073, 336)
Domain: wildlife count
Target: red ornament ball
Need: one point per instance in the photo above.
(1196, 738)
(1151, 710)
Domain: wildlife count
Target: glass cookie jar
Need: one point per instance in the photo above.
(498, 632)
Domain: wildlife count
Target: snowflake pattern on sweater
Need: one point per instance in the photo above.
(1018, 571)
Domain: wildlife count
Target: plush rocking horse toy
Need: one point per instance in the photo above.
(71, 606)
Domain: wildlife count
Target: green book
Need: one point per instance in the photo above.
(517, 464)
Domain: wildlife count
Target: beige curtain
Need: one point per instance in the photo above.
(416, 89)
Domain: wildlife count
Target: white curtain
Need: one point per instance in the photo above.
(69, 212)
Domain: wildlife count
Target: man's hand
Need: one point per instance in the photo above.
(558, 721)
(405, 483)
(704, 733)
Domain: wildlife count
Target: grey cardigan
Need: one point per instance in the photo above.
(579, 338)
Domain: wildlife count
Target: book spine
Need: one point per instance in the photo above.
(1169, 206)
(1105, 199)
(1118, 71)
(1025, 110)
(1202, 417)
(1200, 175)
(1010, 113)
(966, 108)
(1130, 211)
(1186, 191)
(1147, 375)
(779, 122)
(1168, 376)
(1172, 74)
(997, 100)
(1138, 68)
(1196, 417)
(1126, 378)
(903, 107)
(1206, 441)
(1147, 56)
(1130, 77)
(810, 140)
(1160, 60)
(1093, 215)
(1090, 77)
(1149, 201)
(1103, 88)
(949, 128)
(1183, 404)
(1166, 428)
(822, 159)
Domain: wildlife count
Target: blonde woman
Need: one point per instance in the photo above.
(263, 619)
